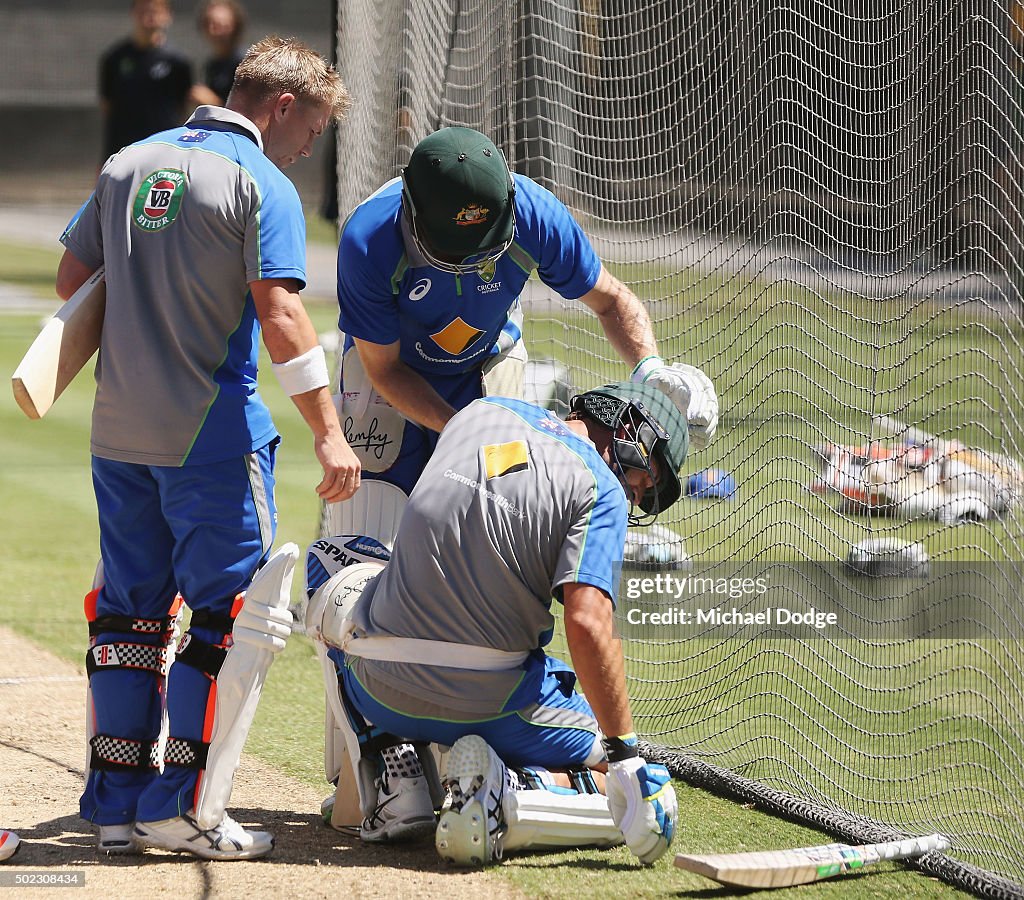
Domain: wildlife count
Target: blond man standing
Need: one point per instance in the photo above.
(203, 242)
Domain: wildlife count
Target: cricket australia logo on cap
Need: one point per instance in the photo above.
(472, 214)
(159, 199)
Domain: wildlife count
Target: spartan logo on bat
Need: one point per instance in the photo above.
(158, 199)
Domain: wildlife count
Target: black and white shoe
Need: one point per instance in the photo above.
(228, 840)
(471, 831)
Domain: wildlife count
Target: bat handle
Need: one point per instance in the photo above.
(913, 847)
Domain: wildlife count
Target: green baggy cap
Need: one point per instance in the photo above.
(462, 192)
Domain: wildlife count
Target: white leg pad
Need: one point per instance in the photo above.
(259, 634)
(504, 375)
(335, 748)
(375, 510)
(340, 742)
(356, 795)
(326, 621)
(172, 647)
(538, 819)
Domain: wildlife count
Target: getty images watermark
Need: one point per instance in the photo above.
(823, 600)
(707, 602)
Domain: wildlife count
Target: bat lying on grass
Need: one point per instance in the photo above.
(784, 868)
(66, 343)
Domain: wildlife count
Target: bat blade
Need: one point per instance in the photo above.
(785, 868)
(66, 343)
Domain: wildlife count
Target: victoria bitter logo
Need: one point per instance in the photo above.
(158, 200)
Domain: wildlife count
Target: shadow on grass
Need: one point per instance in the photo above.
(301, 839)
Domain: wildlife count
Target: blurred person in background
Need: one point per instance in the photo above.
(221, 23)
(144, 83)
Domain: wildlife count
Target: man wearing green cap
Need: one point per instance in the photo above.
(445, 643)
(430, 270)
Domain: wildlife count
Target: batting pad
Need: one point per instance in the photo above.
(259, 633)
(374, 511)
(539, 819)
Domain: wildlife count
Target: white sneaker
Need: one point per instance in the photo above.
(404, 811)
(228, 840)
(9, 844)
(471, 831)
(118, 840)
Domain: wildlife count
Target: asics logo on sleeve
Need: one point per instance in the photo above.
(420, 289)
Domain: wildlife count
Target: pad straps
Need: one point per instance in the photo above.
(129, 625)
(201, 655)
(118, 754)
(110, 752)
(185, 753)
(123, 655)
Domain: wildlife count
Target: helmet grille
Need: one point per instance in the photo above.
(603, 408)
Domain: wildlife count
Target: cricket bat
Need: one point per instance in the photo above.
(784, 868)
(66, 343)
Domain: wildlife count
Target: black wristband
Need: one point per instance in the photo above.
(620, 748)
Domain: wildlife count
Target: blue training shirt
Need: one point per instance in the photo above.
(447, 323)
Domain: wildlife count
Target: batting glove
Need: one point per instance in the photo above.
(689, 389)
(643, 806)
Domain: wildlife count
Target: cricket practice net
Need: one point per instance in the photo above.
(823, 210)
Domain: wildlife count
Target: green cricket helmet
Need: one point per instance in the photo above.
(646, 425)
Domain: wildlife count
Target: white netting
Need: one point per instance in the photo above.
(823, 209)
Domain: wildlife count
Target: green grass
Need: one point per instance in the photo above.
(790, 377)
(320, 231)
(50, 538)
(30, 267)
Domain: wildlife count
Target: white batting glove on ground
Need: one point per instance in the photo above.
(689, 389)
(643, 805)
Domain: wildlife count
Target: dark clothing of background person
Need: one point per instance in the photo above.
(145, 91)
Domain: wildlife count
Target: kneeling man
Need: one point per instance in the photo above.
(444, 644)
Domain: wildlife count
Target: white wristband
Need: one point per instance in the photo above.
(304, 373)
(644, 368)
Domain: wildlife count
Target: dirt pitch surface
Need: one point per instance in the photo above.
(41, 763)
